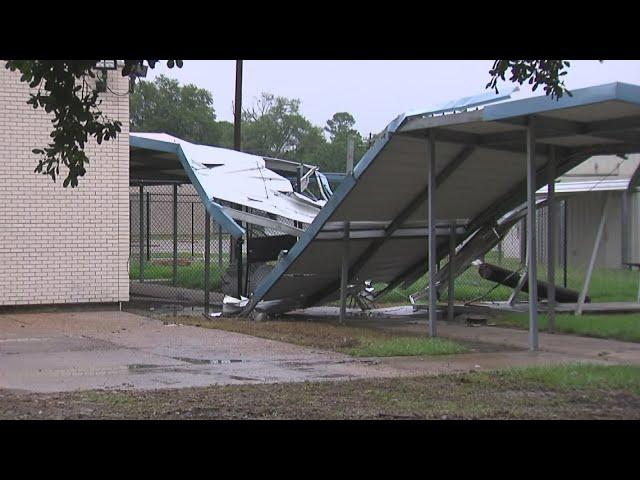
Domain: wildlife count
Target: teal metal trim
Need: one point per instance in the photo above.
(215, 210)
(583, 96)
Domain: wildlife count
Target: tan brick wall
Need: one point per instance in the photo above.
(61, 245)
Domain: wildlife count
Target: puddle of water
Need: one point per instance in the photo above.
(193, 361)
(142, 366)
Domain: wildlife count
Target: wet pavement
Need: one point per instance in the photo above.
(48, 352)
(64, 351)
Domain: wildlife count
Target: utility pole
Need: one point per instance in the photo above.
(237, 119)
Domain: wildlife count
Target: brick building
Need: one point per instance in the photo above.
(62, 245)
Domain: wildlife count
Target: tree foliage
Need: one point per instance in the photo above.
(185, 111)
(66, 90)
(545, 73)
(274, 126)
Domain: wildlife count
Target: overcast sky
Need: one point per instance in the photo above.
(374, 92)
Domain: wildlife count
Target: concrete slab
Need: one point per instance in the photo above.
(49, 352)
(63, 351)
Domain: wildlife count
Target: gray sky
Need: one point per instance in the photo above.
(373, 91)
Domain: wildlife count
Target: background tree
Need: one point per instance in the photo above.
(340, 127)
(274, 127)
(182, 111)
(63, 91)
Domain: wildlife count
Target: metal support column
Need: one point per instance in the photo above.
(626, 222)
(452, 277)
(239, 265)
(551, 239)
(148, 226)
(565, 243)
(207, 261)
(350, 154)
(594, 255)
(431, 156)
(192, 231)
(141, 241)
(344, 272)
(220, 249)
(531, 236)
(523, 242)
(175, 234)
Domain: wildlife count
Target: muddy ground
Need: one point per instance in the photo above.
(485, 395)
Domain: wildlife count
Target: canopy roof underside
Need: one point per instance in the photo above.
(480, 175)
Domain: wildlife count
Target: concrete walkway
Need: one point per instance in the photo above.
(570, 345)
(50, 352)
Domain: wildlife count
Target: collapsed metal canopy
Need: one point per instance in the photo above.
(480, 174)
(237, 178)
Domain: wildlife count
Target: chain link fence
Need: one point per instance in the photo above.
(167, 249)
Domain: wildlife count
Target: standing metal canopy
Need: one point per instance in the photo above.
(480, 174)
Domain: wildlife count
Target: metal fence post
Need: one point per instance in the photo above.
(148, 226)
(551, 239)
(192, 230)
(141, 241)
(531, 236)
(220, 249)
(175, 234)
(207, 261)
(565, 242)
(452, 277)
(344, 272)
(239, 265)
(431, 158)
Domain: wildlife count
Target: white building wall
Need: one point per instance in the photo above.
(61, 245)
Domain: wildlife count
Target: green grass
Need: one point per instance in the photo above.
(607, 284)
(578, 376)
(357, 341)
(188, 276)
(405, 346)
(624, 326)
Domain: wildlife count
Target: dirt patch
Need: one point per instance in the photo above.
(462, 396)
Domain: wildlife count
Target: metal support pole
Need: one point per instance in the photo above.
(626, 222)
(565, 243)
(140, 243)
(192, 231)
(130, 228)
(531, 236)
(207, 261)
(175, 234)
(237, 114)
(523, 242)
(219, 248)
(239, 265)
(344, 272)
(551, 239)
(148, 226)
(350, 154)
(431, 156)
(299, 173)
(452, 277)
(594, 255)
